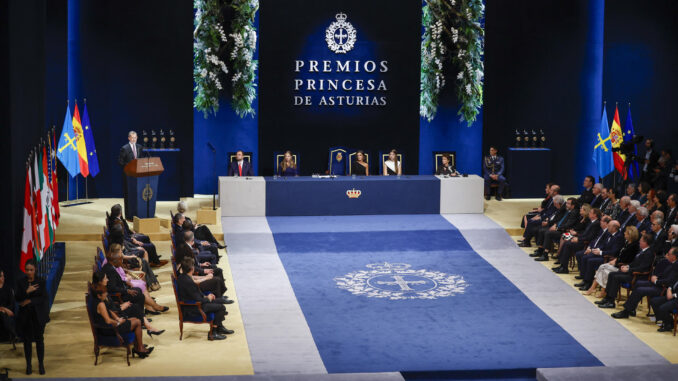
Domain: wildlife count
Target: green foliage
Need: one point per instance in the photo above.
(210, 43)
(452, 43)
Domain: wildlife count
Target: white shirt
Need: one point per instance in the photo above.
(134, 149)
(391, 165)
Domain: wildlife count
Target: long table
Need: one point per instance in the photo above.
(347, 195)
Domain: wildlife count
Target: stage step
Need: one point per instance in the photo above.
(612, 373)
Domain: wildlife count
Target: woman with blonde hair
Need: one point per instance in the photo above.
(287, 166)
(625, 256)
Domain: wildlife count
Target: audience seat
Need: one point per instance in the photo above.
(202, 319)
(111, 341)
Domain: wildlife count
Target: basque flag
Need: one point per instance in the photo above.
(92, 160)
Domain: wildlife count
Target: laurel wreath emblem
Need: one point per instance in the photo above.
(358, 283)
(341, 23)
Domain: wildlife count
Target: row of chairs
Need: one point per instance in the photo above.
(343, 167)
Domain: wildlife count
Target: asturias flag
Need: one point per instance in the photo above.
(67, 151)
(617, 138)
(602, 150)
(629, 133)
(92, 160)
(80, 143)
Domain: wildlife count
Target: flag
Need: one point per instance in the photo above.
(37, 208)
(46, 202)
(47, 191)
(602, 150)
(27, 242)
(67, 151)
(55, 182)
(80, 142)
(92, 160)
(616, 139)
(634, 172)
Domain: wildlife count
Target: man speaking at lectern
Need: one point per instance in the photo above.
(129, 152)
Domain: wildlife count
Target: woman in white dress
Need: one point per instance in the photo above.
(626, 255)
(392, 166)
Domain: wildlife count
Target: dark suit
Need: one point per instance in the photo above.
(567, 222)
(597, 201)
(666, 276)
(189, 291)
(644, 225)
(670, 218)
(610, 247)
(641, 263)
(124, 157)
(659, 245)
(591, 232)
(663, 308)
(494, 166)
(629, 220)
(233, 169)
(586, 197)
(604, 205)
(117, 286)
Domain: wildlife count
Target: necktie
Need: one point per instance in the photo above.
(134, 150)
(563, 219)
(240, 169)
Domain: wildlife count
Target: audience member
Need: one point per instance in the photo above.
(202, 232)
(7, 305)
(626, 255)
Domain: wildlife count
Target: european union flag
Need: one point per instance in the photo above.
(92, 160)
(602, 149)
(634, 172)
(67, 152)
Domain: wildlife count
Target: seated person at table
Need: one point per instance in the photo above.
(188, 290)
(493, 172)
(287, 166)
(392, 166)
(202, 232)
(359, 166)
(240, 167)
(446, 168)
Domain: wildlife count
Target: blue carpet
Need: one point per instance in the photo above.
(487, 324)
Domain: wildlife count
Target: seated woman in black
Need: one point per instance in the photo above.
(392, 166)
(136, 240)
(188, 290)
(125, 309)
(287, 166)
(106, 315)
(31, 295)
(359, 166)
(7, 303)
(209, 278)
(446, 168)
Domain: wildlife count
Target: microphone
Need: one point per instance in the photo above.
(211, 147)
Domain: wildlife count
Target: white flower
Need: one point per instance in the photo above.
(460, 75)
(468, 89)
(203, 73)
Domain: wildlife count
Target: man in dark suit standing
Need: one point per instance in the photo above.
(651, 158)
(240, 167)
(493, 171)
(129, 152)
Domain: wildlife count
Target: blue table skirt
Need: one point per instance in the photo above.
(308, 196)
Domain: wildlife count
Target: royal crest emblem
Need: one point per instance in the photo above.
(340, 35)
(396, 281)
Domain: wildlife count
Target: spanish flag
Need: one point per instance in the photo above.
(616, 138)
(80, 142)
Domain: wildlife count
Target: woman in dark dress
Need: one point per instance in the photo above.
(287, 166)
(106, 315)
(359, 166)
(31, 295)
(446, 168)
(6, 310)
(125, 309)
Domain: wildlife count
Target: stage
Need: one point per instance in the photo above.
(347, 195)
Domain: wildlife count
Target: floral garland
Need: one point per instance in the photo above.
(207, 66)
(452, 34)
(243, 44)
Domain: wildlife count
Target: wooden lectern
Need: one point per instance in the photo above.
(142, 185)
